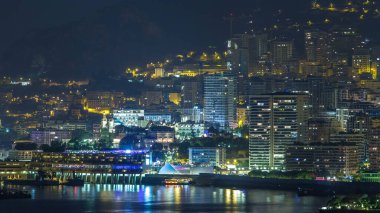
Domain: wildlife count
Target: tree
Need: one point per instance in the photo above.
(213, 130)
(45, 147)
(157, 147)
(103, 144)
(80, 140)
(55, 146)
(105, 141)
(183, 150)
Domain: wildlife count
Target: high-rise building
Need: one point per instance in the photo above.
(258, 86)
(220, 100)
(241, 113)
(374, 68)
(361, 62)
(375, 55)
(238, 53)
(343, 39)
(317, 46)
(191, 94)
(323, 158)
(258, 47)
(374, 148)
(276, 121)
(238, 60)
(263, 65)
(282, 51)
(310, 45)
(282, 58)
(315, 87)
(354, 138)
(318, 130)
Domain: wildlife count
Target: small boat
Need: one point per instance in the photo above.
(177, 181)
(74, 182)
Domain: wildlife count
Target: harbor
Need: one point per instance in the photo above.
(159, 198)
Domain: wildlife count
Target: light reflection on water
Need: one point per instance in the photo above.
(139, 198)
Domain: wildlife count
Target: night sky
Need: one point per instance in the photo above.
(17, 17)
(76, 38)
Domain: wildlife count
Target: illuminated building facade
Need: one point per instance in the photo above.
(159, 72)
(241, 116)
(318, 130)
(191, 94)
(45, 136)
(238, 54)
(361, 63)
(238, 62)
(191, 114)
(275, 121)
(190, 130)
(158, 117)
(98, 101)
(128, 117)
(354, 138)
(327, 159)
(263, 66)
(257, 48)
(21, 155)
(118, 161)
(310, 68)
(282, 51)
(175, 97)
(220, 100)
(317, 46)
(162, 134)
(374, 148)
(207, 156)
(70, 126)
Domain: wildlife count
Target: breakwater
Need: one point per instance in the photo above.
(287, 184)
(236, 181)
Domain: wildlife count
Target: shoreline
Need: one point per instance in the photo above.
(246, 182)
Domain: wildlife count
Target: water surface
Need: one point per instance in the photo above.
(129, 198)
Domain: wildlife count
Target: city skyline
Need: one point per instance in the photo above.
(223, 98)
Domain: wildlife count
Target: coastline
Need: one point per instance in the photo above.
(246, 182)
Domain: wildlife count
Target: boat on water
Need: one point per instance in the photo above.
(14, 194)
(177, 181)
(74, 182)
